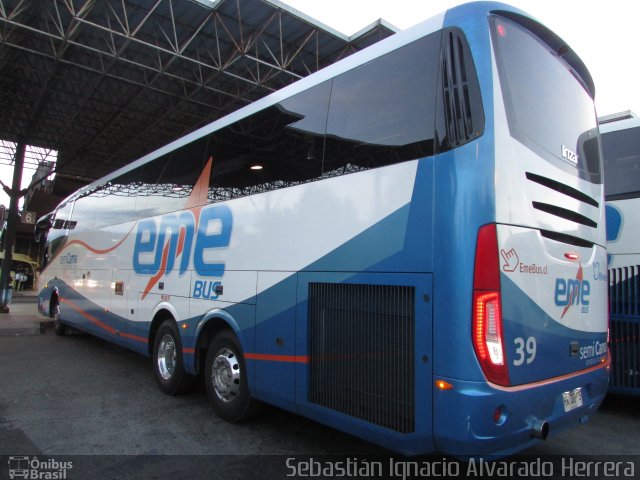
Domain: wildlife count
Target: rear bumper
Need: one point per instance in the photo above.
(464, 423)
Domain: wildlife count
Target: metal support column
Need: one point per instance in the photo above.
(12, 224)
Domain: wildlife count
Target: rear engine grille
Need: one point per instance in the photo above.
(361, 349)
(624, 304)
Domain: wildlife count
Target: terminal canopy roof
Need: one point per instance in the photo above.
(104, 82)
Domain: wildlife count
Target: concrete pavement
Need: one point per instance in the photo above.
(23, 317)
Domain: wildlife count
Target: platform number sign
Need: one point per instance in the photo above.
(28, 217)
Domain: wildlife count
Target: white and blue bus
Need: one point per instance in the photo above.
(401, 246)
(620, 135)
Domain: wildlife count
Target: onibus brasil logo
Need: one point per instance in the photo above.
(36, 469)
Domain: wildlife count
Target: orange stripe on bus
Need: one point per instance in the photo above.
(101, 324)
(135, 337)
(277, 358)
(89, 317)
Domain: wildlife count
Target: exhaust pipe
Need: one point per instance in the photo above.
(540, 429)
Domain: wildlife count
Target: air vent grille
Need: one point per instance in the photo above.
(564, 213)
(361, 352)
(562, 188)
(568, 191)
(568, 239)
(457, 103)
(624, 291)
(624, 304)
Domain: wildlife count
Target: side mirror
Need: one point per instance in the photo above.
(43, 225)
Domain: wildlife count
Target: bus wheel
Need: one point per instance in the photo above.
(167, 360)
(226, 379)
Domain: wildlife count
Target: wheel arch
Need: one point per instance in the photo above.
(209, 325)
(159, 317)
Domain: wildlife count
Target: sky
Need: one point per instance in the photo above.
(603, 34)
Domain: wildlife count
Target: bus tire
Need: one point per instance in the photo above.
(59, 328)
(226, 379)
(168, 363)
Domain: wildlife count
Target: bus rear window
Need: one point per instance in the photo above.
(548, 108)
(621, 156)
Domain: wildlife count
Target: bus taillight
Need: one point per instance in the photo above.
(487, 309)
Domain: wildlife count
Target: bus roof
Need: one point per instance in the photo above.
(618, 121)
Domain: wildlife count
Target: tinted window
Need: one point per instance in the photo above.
(158, 187)
(84, 212)
(380, 113)
(621, 157)
(165, 183)
(120, 197)
(113, 203)
(548, 108)
(57, 235)
(383, 112)
(274, 148)
(377, 114)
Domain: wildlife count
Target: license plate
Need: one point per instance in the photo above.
(572, 399)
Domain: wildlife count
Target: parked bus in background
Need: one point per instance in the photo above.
(399, 246)
(621, 157)
(24, 271)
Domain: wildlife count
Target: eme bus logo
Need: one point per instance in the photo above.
(177, 241)
(572, 291)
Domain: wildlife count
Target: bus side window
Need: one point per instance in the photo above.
(57, 235)
(379, 111)
(278, 147)
(620, 149)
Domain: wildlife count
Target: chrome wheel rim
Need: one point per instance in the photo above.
(167, 356)
(225, 375)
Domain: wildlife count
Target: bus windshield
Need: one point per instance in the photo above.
(535, 80)
(621, 152)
